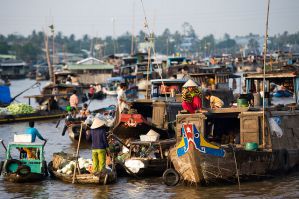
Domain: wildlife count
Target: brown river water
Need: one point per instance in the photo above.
(279, 187)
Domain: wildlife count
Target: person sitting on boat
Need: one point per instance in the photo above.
(215, 102)
(91, 91)
(99, 145)
(74, 100)
(183, 73)
(68, 80)
(98, 87)
(84, 112)
(34, 132)
(281, 91)
(123, 105)
(191, 97)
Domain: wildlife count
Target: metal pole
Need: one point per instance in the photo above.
(264, 81)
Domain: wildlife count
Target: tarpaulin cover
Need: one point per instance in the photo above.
(5, 97)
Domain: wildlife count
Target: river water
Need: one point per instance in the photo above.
(279, 187)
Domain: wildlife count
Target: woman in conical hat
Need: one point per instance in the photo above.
(99, 145)
(191, 97)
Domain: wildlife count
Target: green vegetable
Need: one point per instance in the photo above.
(20, 108)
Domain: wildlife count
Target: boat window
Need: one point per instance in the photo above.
(145, 151)
(223, 128)
(25, 153)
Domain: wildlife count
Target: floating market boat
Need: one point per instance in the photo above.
(28, 166)
(106, 177)
(38, 115)
(228, 145)
(144, 155)
(73, 125)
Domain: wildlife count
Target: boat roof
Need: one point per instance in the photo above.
(272, 74)
(115, 79)
(178, 81)
(37, 144)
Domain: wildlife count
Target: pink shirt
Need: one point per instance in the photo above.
(74, 100)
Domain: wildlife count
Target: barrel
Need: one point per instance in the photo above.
(242, 102)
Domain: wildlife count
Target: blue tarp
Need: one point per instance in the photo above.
(5, 97)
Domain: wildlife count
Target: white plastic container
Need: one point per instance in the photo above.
(22, 138)
(149, 138)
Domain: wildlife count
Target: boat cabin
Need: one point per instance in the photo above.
(167, 89)
(226, 126)
(287, 83)
(29, 154)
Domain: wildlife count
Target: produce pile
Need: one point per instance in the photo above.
(20, 108)
(4, 111)
(84, 165)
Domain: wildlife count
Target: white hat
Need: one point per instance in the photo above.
(190, 83)
(97, 123)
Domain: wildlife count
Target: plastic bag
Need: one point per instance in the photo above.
(275, 128)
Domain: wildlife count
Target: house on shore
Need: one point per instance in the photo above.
(12, 68)
(92, 70)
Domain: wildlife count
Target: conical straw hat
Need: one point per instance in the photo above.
(190, 83)
(97, 123)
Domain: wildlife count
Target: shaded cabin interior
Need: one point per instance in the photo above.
(288, 79)
(228, 126)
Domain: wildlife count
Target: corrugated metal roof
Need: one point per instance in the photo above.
(90, 67)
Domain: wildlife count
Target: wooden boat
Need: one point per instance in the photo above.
(98, 95)
(73, 125)
(217, 146)
(24, 169)
(106, 178)
(151, 160)
(38, 115)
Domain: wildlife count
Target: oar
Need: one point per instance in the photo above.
(77, 154)
(3, 145)
(36, 83)
(62, 116)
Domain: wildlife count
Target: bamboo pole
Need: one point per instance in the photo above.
(147, 68)
(77, 154)
(264, 80)
(48, 58)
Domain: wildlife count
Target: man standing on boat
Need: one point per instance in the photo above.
(215, 102)
(123, 105)
(99, 145)
(191, 97)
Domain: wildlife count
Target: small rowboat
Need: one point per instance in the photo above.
(26, 168)
(104, 178)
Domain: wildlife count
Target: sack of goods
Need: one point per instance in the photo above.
(151, 136)
(84, 165)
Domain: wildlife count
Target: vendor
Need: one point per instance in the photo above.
(99, 145)
(215, 102)
(191, 97)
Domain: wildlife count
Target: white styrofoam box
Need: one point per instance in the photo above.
(22, 138)
(149, 138)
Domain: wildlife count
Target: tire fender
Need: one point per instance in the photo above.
(167, 175)
(23, 170)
